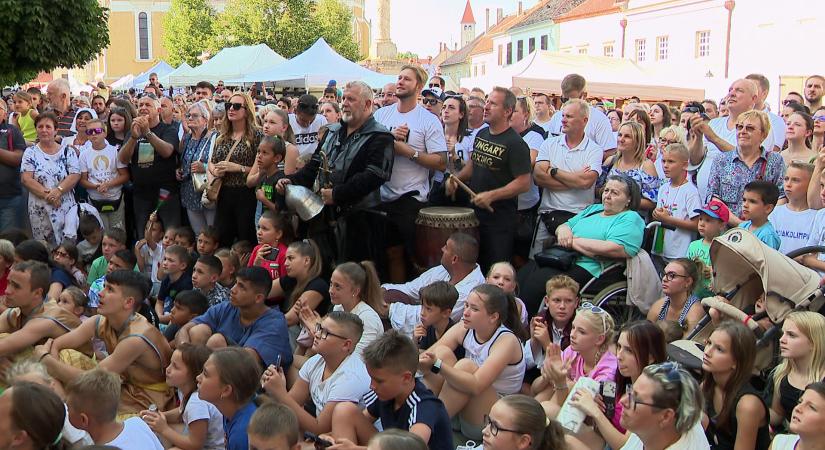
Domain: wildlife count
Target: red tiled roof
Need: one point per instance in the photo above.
(468, 14)
(590, 8)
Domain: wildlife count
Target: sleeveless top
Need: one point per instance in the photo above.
(682, 315)
(510, 378)
(49, 311)
(726, 439)
(142, 386)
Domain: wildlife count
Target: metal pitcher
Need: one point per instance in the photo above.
(303, 202)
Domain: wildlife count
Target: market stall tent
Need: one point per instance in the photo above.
(164, 79)
(228, 64)
(161, 68)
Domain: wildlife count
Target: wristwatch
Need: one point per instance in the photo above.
(414, 157)
(436, 366)
(554, 171)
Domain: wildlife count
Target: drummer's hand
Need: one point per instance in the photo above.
(484, 200)
(281, 185)
(326, 195)
(450, 186)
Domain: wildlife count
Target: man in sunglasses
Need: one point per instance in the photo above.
(778, 126)
(433, 100)
(151, 153)
(437, 82)
(305, 124)
(598, 127)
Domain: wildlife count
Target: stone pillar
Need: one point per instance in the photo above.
(384, 47)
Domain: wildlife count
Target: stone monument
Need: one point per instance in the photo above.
(384, 48)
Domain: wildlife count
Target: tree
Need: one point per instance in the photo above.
(404, 56)
(187, 30)
(335, 24)
(40, 35)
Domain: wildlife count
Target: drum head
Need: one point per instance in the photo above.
(447, 217)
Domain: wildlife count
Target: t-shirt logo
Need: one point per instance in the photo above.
(146, 154)
(488, 154)
(268, 189)
(306, 138)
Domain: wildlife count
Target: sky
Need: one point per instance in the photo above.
(419, 25)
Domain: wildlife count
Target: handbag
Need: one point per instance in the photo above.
(556, 257)
(200, 180)
(215, 185)
(106, 206)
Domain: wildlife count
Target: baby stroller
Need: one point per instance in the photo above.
(745, 269)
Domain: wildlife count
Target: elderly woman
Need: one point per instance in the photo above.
(194, 157)
(80, 139)
(49, 172)
(630, 161)
(663, 410)
(731, 171)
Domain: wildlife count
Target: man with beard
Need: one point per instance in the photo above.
(360, 155)
(814, 90)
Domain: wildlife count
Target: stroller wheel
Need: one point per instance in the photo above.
(613, 299)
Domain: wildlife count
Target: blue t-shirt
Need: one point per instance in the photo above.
(94, 292)
(61, 276)
(267, 335)
(234, 429)
(765, 233)
(625, 228)
(421, 407)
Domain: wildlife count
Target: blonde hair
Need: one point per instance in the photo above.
(25, 367)
(759, 116)
(96, 393)
(7, 250)
(638, 134)
(601, 323)
(420, 74)
(562, 282)
(529, 108)
(678, 149)
(812, 326)
(251, 126)
(679, 132)
(584, 107)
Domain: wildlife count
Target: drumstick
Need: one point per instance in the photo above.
(464, 187)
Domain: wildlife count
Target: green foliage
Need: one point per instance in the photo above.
(287, 26)
(41, 35)
(187, 30)
(407, 55)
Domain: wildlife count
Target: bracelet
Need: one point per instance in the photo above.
(59, 188)
(40, 359)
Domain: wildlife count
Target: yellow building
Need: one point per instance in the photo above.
(360, 26)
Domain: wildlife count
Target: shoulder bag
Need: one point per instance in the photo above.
(215, 185)
(199, 180)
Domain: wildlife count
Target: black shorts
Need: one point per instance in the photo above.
(401, 215)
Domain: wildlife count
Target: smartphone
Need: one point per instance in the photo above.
(278, 362)
(319, 443)
(272, 255)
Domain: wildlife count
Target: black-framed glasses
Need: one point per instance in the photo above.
(429, 101)
(235, 106)
(435, 85)
(495, 427)
(670, 276)
(323, 333)
(632, 401)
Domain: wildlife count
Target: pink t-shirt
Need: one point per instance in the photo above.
(605, 369)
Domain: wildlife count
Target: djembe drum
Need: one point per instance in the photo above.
(434, 226)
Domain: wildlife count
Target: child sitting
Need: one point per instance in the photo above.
(93, 399)
(66, 257)
(103, 175)
(274, 236)
(91, 230)
(205, 276)
(759, 199)
(185, 237)
(208, 240)
(24, 116)
(114, 239)
(677, 200)
(230, 265)
(203, 423)
(503, 275)
(273, 426)
(242, 250)
(437, 302)
(792, 221)
(73, 300)
(187, 306)
(149, 251)
(713, 219)
(176, 263)
(264, 174)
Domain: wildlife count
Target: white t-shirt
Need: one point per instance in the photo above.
(545, 125)
(680, 201)
(556, 151)
(136, 435)
(306, 138)
(598, 128)
(529, 199)
(694, 439)
(437, 273)
(793, 227)
(348, 383)
(426, 136)
(73, 435)
(785, 442)
(197, 409)
(102, 166)
(373, 327)
(778, 128)
(817, 236)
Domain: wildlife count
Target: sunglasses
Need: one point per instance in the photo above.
(818, 118)
(429, 101)
(748, 128)
(94, 131)
(235, 106)
(435, 85)
(788, 102)
(596, 310)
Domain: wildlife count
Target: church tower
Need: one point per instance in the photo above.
(468, 25)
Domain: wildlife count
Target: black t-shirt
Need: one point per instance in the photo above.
(497, 160)
(10, 175)
(149, 168)
(421, 407)
(430, 339)
(317, 284)
(268, 186)
(170, 289)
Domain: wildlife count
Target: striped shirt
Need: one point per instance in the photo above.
(421, 407)
(64, 122)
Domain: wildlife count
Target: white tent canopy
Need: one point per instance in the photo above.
(228, 64)
(314, 68)
(542, 71)
(124, 82)
(161, 68)
(183, 68)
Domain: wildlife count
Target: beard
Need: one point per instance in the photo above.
(346, 117)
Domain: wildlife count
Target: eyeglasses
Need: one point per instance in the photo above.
(632, 401)
(691, 109)
(748, 128)
(435, 85)
(94, 131)
(323, 333)
(670, 276)
(788, 102)
(818, 118)
(193, 116)
(429, 101)
(666, 142)
(235, 106)
(495, 427)
(60, 254)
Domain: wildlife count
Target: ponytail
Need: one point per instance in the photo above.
(526, 411)
(364, 276)
(497, 301)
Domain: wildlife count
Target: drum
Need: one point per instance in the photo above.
(432, 228)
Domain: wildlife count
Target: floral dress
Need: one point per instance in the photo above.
(648, 184)
(49, 170)
(193, 150)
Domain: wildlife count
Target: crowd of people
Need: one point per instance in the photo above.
(161, 289)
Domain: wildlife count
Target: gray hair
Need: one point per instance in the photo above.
(6, 250)
(25, 367)
(364, 90)
(677, 390)
(61, 84)
(584, 107)
(201, 109)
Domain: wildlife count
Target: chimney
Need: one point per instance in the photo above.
(499, 15)
(487, 26)
(520, 8)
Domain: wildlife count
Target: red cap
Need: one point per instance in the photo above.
(717, 209)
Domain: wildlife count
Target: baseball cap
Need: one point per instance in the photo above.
(332, 83)
(308, 104)
(716, 209)
(435, 92)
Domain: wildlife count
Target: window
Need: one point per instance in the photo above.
(532, 45)
(500, 54)
(509, 53)
(608, 50)
(582, 50)
(640, 50)
(661, 47)
(143, 36)
(544, 42)
(520, 50)
(483, 69)
(702, 43)
(475, 71)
